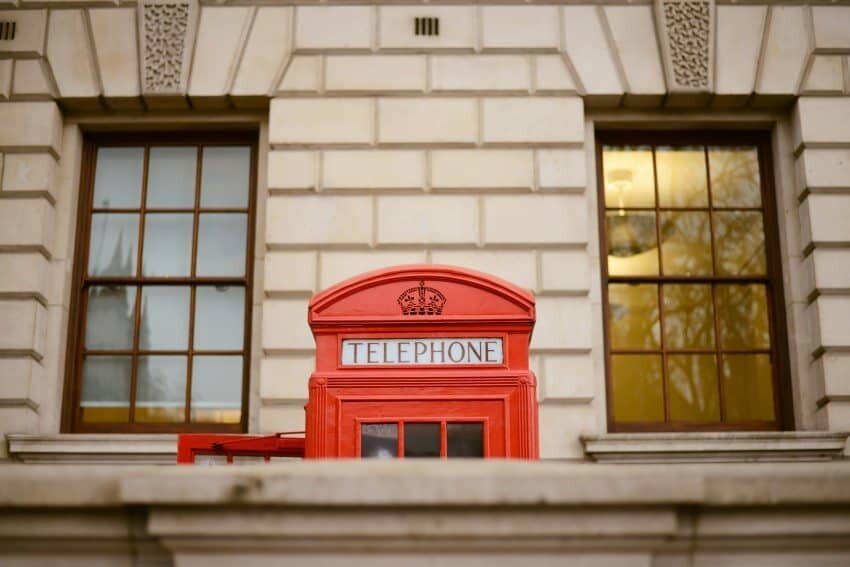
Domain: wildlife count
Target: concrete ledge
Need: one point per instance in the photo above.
(716, 447)
(93, 449)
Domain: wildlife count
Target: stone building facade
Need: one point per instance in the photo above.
(382, 137)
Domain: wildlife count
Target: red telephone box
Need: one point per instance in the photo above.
(422, 361)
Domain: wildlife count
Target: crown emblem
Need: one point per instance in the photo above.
(422, 300)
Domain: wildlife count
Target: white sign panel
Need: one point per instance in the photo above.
(424, 351)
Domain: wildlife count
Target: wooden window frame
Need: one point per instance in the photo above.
(71, 408)
(773, 281)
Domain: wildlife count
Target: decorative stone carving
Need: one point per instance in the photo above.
(687, 30)
(166, 31)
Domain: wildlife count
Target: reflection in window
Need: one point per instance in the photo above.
(164, 295)
(688, 287)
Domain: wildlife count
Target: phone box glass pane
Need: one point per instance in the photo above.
(465, 440)
(379, 440)
(421, 440)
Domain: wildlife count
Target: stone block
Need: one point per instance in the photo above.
(321, 121)
(286, 378)
(116, 46)
(533, 120)
(315, 220)
(336, 266)
(292, 170)
(23, 327)
(825, 76)
(458, 28)
(285, 325)
(831, 27)
(266, 48)
(427, 120)
(285, 417)
(828, 316)
(517, 267)
(304, 74)
(824, 218)
(633, 31)
(290, 271)
(835, 416)
(530, 219)
(482, 169)
(20, 381)
(565, 270)
(830, 268)
(31, 81)
(568, 377)
(26, 223)
(480, 73)
(832, 370)
(30, 27)
(822, 120)
(561, 169)
(785, 51)
(24, 275)
(6, 72)
(427, 219)
(70, 56)
(31, 126)
(824, 168)
(333, 27)
(511, 27)
(221, 32)
(563, 323)
(373, 169)
(551, 75)
(587, 47)
(561, 426)
(375, 73)
(29, 174)
(739, 38)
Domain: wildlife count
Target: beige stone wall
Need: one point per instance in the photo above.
(472, 148)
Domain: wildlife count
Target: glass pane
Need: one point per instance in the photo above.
(421, 440)
(171, 177)
(225, 176)
(637, 384)
(222, 243)
(219, 317)
(161, 389)
(465, 440)
(632, 244)
(118, 178)
(168, 245)
(165, 318)
(217, 389)
(686, 244)
(735, 178)
(681, 176)
(114, 244)
(628, 175)
(110, 317)
(379, 440)
(743, 316)
(106, 389)
(740, 243)
(692, 380)
(748, 387)
(688, 316)
(634, 316)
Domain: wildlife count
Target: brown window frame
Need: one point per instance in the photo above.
(773, 280)
(71, 408)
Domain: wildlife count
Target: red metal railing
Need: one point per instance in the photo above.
(192, 445)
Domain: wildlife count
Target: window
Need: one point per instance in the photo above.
(161, 318)
(692, 283)
(412, 440)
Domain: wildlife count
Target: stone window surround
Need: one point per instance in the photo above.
(695, 446)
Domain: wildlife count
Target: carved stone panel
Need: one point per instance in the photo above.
(166, 31)
(687, 29)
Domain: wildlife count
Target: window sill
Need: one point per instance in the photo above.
(716, 447)
(114, 449)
